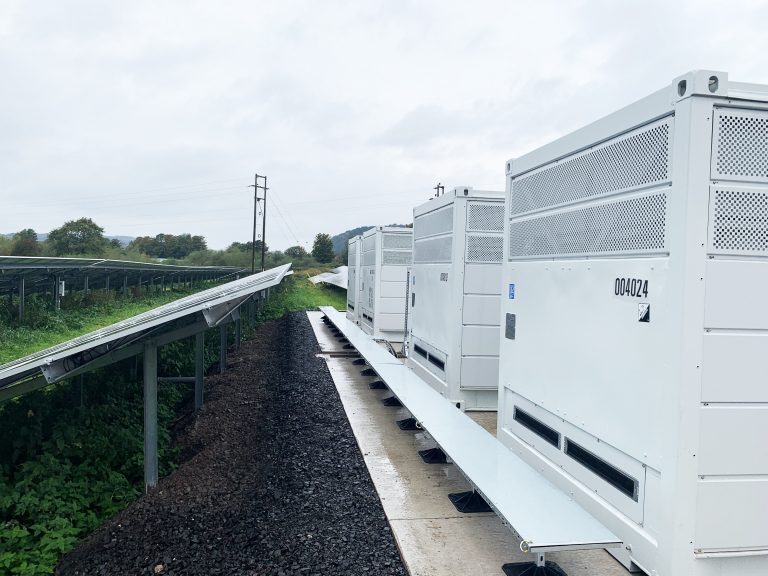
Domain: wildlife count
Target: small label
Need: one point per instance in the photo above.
(511, 291)
(414, 280)
(632, 287)
(643, 312)
(443, 276)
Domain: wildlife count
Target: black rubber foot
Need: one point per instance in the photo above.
(343, 341)
(368, 372)
(377, 385)
(469, 502)
(433, 456)
(408, 424)
(358, 361)
(348, 347)
(530, 569)
(391, 401)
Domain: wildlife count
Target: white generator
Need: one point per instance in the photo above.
(635, 325)
(354, 254)
(386, 256)
(455, 288)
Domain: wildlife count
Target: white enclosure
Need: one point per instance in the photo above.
(455, 287)
(635, 325)
(354, 254)
(386, 256)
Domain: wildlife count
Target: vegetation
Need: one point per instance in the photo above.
(79, 314)
(81, 236)
(71, 455)
(25, 243)
(168, 245)
(322, 249)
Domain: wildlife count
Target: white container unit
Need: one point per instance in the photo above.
(635, 324)
(455, 287)
(386, 256)
(354, 254)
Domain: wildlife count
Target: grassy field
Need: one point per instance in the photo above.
(297, 293)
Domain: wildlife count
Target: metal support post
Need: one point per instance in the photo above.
(252, 313)
(85, 284)
(125, 285)
(150, 415)
(106, 283)
(21, 299)
(162, 284)
(138, 284)
(57, 292)
(238, 333)
(199, 368)
(223, 348)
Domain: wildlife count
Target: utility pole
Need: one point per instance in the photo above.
(256, 187)
(440, 189)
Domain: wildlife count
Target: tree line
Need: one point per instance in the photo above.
(84, 238)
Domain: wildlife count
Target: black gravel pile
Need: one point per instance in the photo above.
(273, 483)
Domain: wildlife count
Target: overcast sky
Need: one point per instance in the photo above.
(153, 116)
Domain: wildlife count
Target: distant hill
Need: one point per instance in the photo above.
(340, 240)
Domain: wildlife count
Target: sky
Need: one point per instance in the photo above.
(153, 117)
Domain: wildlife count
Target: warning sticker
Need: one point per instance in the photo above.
(511, 291)
(643, 312)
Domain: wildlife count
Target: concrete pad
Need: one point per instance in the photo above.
(434, 539)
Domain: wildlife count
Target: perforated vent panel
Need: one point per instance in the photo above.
(396, 258)
(485, 248)
(352, 253)
(635, 226)
(739, 222)
(437, 222)
(433, 250)
(397, 241)
(741, 145)
(485, 216)
(369, 258)
(369, 243)
(639, 158)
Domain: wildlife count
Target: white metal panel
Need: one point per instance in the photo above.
(482, 279)
(480, 341)
(392, 305)
(736, 294)
(734, 367)
(392, 289)
(481, 309)
(731, 514)
(479, 372)
(394, 273)
(734, 440)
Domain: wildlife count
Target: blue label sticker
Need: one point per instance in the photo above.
(511, 291)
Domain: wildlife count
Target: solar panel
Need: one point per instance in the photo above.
(214, 304)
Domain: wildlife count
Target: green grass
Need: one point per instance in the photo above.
(297, 293)
(49, 328)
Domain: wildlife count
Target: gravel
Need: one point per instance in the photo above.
(272, 480)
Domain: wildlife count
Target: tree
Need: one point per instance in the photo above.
(25, 243)
(322, 249)
(295, 252)
(246, 246)
(81, 236)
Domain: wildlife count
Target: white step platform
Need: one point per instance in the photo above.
(543, 516)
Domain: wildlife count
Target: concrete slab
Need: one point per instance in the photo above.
(434, 539)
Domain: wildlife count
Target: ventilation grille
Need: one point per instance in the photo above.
(485, 248)
(485, 217)
(636, 225)
(396, 258)
(739, 222)
(741, 145)
(537, 427)
(352, 254)
(623, 482)
(369, 243)
(639, 158)
(437, 222)
(434, 250)
(397, 241)
(369, 258)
